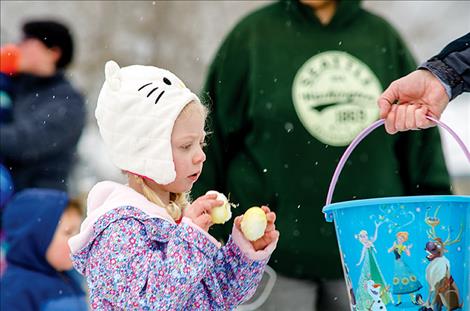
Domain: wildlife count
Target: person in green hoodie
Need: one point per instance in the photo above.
(290, 87)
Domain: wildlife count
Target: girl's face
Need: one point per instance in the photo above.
(363, 237)
(400, 239)
(187, 142)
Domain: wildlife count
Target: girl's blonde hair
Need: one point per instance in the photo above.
(403, 234)
(178, 201)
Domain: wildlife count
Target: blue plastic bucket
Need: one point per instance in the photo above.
(403, 253)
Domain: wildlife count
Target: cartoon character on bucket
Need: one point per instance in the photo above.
(404, 280)
(370, 271)
(375, 291)
(443, 291)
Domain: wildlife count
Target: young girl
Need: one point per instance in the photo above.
(404, 280)
(144, 246)
(370, 271)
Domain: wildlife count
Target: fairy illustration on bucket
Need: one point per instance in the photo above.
(404, 279)
(370, 271)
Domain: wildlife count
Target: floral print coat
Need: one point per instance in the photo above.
(135, 257)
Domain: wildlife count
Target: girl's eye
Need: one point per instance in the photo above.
(185, 147)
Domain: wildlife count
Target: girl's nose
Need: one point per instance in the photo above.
(199, 157)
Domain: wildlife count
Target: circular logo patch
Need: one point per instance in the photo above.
(335, 97)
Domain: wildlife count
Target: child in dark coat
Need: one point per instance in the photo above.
(38, 224)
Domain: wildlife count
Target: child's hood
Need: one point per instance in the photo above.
(106, 196)
(30, 220)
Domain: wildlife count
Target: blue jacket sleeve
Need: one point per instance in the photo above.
(452, 66)
(52, 127)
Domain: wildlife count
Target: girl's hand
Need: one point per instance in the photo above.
(200, 210)
(270, 234)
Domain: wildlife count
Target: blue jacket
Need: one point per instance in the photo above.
(30, 282)
(39, 144)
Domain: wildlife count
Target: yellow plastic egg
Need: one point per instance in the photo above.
(254, 223)
(222, 213)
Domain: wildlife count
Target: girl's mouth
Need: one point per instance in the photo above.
(194, 176)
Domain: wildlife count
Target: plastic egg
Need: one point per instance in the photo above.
(222, 213)
(254, 223)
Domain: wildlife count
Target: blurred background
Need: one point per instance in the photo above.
(183, 36)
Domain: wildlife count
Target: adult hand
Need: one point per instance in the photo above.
(200, 210)
(418, 94)
(270, 234)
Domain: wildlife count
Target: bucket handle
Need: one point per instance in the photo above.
(366, 132)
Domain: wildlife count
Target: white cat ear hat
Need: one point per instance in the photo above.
(137, 108)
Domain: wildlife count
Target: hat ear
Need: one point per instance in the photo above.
(112, 73)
